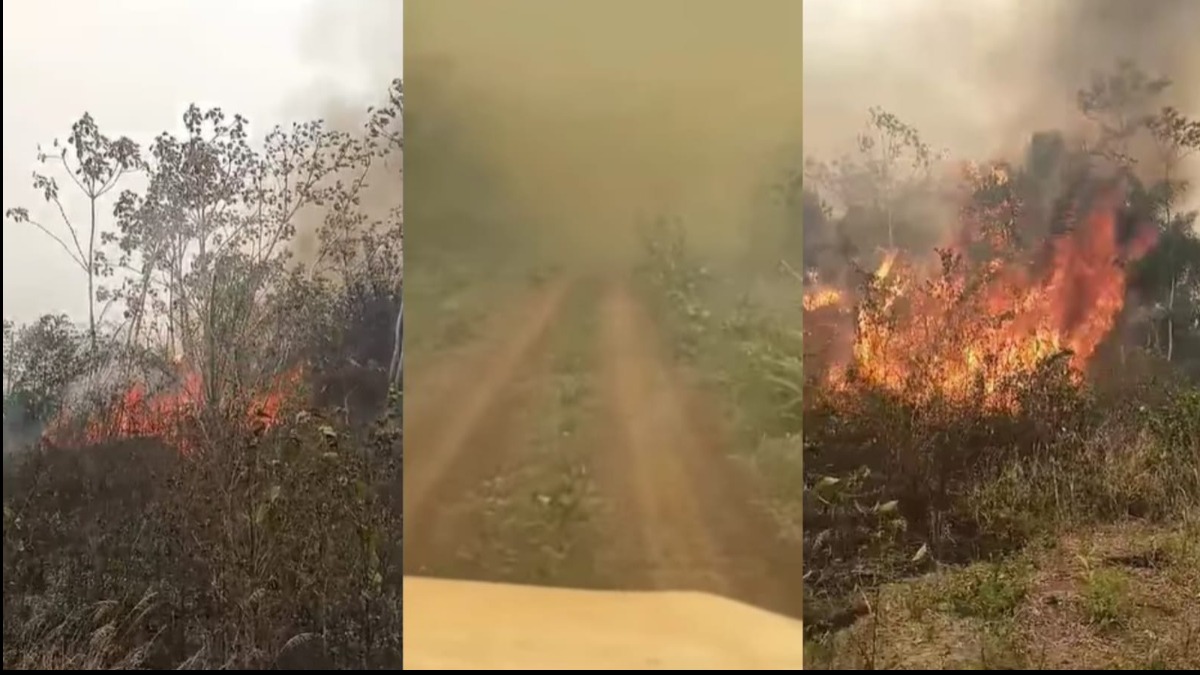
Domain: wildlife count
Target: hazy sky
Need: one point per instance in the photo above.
(136, 65)
(978, 77)
(955, 69)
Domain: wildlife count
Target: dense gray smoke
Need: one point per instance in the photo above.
(357, 51)
(978, 78)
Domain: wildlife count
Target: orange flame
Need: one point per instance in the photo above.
(823, 297)
(170, 415)
(963, 334)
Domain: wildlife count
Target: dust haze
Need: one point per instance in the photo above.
(567, 124)
(978, 78)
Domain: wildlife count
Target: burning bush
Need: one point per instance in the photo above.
(958, 405)
(974, 331)
(195, 497)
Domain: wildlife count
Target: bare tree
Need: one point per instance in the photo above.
(95, 163)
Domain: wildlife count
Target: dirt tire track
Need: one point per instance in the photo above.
(694, 523)
(459, 417)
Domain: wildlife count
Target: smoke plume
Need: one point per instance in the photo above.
(979, 78)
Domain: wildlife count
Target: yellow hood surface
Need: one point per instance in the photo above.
(451, 625)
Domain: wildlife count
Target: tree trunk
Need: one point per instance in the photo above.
(396, 370)
(91, 272)
(1171, 319)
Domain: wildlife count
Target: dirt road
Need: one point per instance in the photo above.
(460, 417)
(657, 502)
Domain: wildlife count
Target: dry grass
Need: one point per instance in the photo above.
(274, 550)
(1120, 596)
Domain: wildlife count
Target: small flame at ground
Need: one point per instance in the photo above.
(170, 415)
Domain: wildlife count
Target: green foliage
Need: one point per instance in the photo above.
(991, 592)
(40, 360)
(1106, 598)
(676, 281)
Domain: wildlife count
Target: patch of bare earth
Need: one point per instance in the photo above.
(1126, 596)
(463, 416)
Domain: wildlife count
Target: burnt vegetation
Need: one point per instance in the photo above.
(205, 473)
(966, 395)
